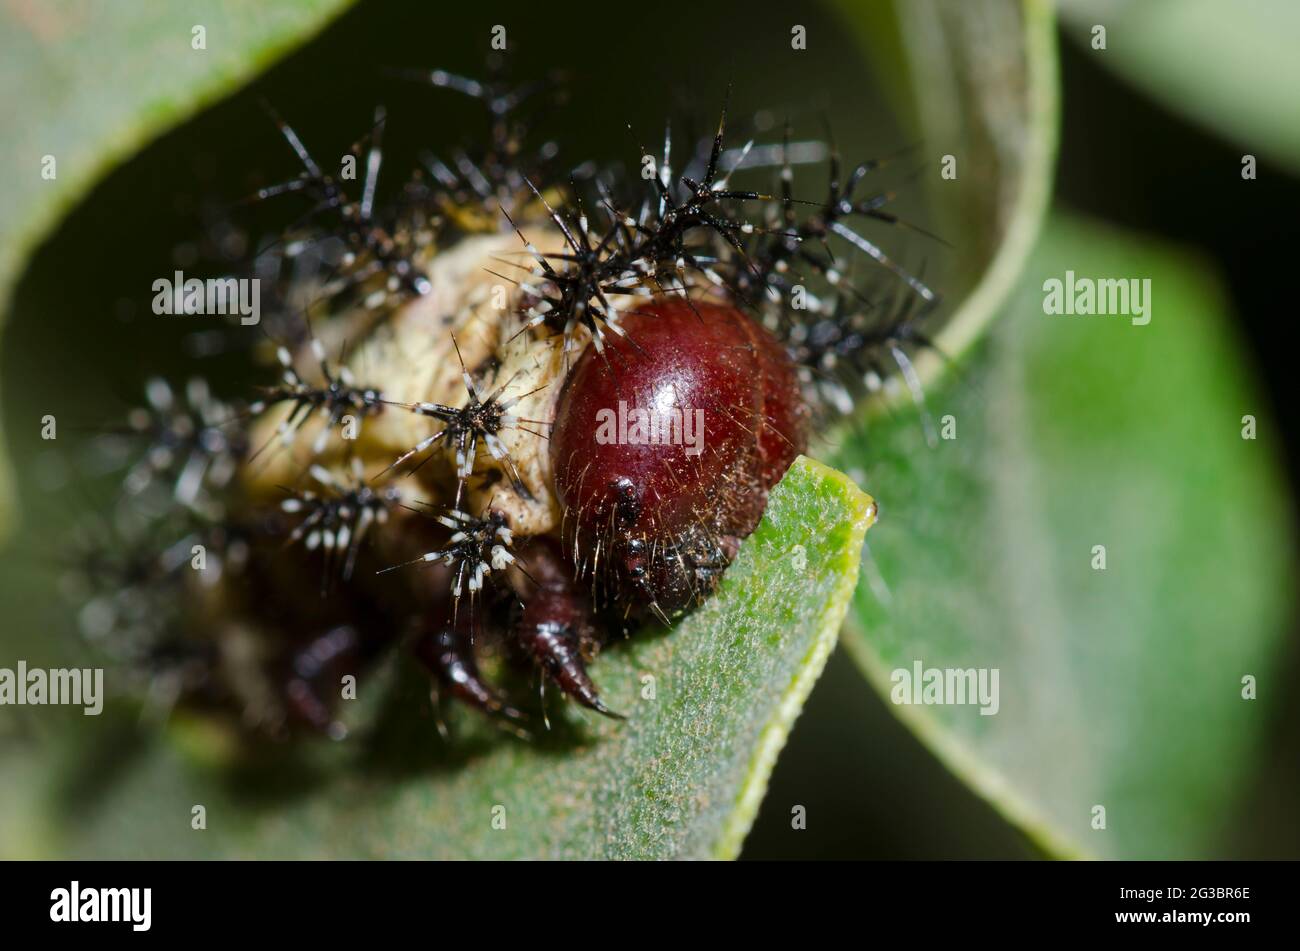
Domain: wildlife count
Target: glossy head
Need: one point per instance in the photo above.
(666, 445)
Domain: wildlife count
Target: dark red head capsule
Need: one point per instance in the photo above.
(665, 447)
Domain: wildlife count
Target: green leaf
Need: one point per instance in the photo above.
(682, 777)
(981, 86)
(91, 83)
(1230, 67)
(1121, 687)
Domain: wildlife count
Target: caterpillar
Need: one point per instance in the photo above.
(515, 407)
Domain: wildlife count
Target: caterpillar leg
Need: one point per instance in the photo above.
(315, 671)
(447, 650)
(555, 630)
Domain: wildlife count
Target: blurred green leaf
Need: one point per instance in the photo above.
(980, 85)
(682, 777)
(1232, 67)
(1119, 687)
(91, 83)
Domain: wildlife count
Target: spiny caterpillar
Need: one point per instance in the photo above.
(511, 407)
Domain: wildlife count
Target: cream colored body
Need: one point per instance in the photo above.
(409, 358)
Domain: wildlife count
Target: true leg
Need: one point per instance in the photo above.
(448, 651)
(323, 659)
(555, 630)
